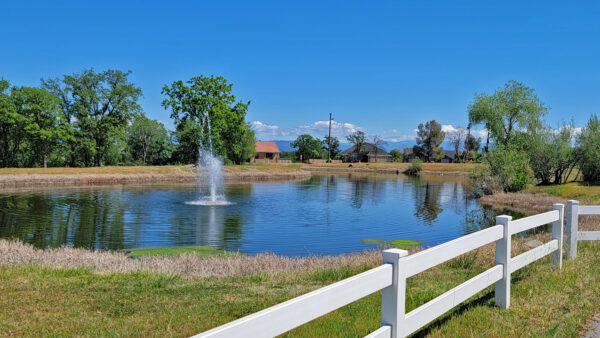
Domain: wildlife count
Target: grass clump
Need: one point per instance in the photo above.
(202, 251)
(404, 244)
(415, 168)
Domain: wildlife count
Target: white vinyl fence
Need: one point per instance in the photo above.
(391, 277)
(573, 233)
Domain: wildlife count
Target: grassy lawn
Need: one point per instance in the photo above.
(584, 192)
(40, 301)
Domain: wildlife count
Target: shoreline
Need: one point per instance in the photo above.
(91, 179)
(118, 175)
(385, 171)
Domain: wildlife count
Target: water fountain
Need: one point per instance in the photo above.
(210, 171)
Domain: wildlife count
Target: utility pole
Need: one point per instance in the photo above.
(329, 141)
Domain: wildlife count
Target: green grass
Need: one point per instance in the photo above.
(395, 243)
(202, 251)
(58, 302)
(585, 192)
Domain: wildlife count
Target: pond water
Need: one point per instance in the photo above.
(327, 214)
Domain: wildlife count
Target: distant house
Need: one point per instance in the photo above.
(369, 153)
(449, 155)
(265, 152)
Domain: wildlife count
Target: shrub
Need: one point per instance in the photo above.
(415, 168)
(483, 183)
(511, 167)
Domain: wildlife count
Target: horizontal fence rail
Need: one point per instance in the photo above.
(431, 257)
(434, 308)
(391, 277)
(531, 222)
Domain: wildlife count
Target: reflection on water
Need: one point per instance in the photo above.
(327, 214)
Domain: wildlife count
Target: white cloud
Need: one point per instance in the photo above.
(396, 135)
(477, 133)
(317, 129)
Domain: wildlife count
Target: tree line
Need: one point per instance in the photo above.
(94, 118)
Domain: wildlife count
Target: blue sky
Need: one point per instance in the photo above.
(379, 66)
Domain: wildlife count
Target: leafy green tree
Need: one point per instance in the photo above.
(541, 154)
(358, 140)
(429, 138)
(12, 126)
(99, 105)
(335, 146)
(212, 96)
(551, 154)
(566, 158)
(396, 155)
(308, 147)
(247, 145)
(41, 114)
(588, 150)
(472, 145)
(509, 111)
(148, 141)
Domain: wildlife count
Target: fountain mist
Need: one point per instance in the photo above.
(210, 171)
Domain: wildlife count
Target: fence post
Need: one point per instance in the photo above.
(572, 228)
(502, 287)
(557, 233)
(393, 298)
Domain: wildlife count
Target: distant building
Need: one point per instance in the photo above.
(369, 153)
(265, 152)
(449, 155)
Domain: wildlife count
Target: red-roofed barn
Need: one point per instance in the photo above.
(265, 152)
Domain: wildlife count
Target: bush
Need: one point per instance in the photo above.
(483, 183)
(396, 155)
(511, 167)
(415, 168)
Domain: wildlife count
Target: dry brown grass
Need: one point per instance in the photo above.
(13, 252)
(17, 253)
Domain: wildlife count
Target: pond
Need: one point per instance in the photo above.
(326, 214)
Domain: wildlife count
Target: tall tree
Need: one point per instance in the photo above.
(11, 128)
(210, 97)
(456, 138)
(148, 141)
(510, 110)
(308, 147)
(358, 140)
(472, 145)
(429, 138)
(99, 105)
(41, 113)
(378, 141)
(335, 146)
